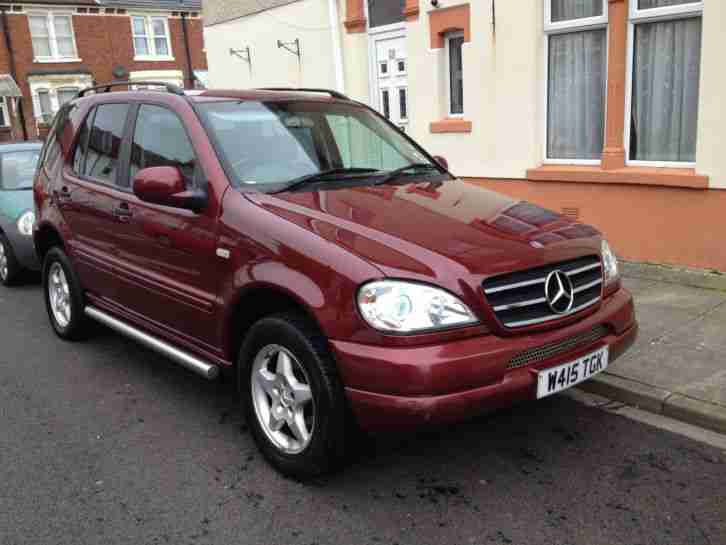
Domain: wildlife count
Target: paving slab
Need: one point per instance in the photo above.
(709, 331)
(677, 366)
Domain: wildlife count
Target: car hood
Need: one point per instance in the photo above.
(15, 202)
(442, 231)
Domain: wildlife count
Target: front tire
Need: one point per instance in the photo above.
(63, 296)
(10, 269)
(292, 397)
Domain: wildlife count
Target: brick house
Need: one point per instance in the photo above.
(50, 49)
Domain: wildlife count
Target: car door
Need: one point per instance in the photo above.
(89, 198)
(168, 254)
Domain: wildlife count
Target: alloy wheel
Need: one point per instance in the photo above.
(3, 262)
(282, 399)
(59, 295)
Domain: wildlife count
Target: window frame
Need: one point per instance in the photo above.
(447, 63)
(5, 111)
(50, 16)
(59, 90)
(150, 37)
(583, 23)
(568, 27)
(380, 29)
(123, 148)
(199, 177)
(42, 115)
(690, 10)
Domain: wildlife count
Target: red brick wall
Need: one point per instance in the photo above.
(102, 42)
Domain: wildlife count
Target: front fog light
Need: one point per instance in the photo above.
(26, 222)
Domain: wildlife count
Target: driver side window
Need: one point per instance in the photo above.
(160, 140)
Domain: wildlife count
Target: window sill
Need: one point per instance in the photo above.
(666, 177)
(450, 125)
(49, 60)
(153, 59)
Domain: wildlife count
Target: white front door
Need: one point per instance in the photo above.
(390, 80)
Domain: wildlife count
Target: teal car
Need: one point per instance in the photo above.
(17, 168)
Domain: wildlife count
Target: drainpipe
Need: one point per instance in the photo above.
(337, 48)
(190, 72)
(13, 72)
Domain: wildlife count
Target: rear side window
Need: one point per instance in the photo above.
(79, 157)
(160, 140)
(103, 149)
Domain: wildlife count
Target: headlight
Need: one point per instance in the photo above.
(26, 222)
(610, 263)
(407, 307)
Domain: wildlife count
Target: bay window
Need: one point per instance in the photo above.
(45, 108)
(151, 37)
(4, 116)
(576, 79)
(66, 95)
(52, 36)
(664, 57)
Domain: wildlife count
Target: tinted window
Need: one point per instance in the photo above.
(385, 12)
(54, 144)
(17, 169)
(160, 140)
(79, 157)
(104, 142)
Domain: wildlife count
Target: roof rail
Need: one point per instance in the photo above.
(332, 93)
(106, 87)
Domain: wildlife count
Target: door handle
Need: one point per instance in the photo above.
(64, 195)
(122, 212)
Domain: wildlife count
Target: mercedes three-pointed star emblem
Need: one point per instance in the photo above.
(559, 292)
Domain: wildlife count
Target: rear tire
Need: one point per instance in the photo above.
(63, 295)
(292, 397)
(10, 269)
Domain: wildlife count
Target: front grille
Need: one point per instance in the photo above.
(518, 299)
(541, 353)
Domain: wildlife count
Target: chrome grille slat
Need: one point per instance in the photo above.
(518, 298)
(541, 353)
(522, 304)
(553, 316)
(517, 285)
(588, 285)
(583, 269)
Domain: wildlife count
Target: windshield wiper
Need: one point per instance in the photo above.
(413, 166)
(320, 176)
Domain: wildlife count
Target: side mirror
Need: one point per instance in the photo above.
(166, 186)
(442, 161)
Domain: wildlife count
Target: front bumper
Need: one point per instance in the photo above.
(23, 249)
(394, 389)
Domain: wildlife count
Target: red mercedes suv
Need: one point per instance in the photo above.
(298, 237)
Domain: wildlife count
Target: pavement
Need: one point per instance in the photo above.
(677, 367)
(105, 442)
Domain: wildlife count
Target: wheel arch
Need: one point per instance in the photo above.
(45, 238)
(254, 303)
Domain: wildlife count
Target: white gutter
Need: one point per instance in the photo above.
(337, 48)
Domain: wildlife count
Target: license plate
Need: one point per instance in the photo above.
(555, 379)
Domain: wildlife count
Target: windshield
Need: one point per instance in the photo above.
(17, 169)
(266, 145)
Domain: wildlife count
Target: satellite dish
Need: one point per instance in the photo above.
(120, 72)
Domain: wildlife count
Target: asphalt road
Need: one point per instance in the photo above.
(106, 442)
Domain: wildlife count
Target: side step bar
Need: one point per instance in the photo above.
(207, 370)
